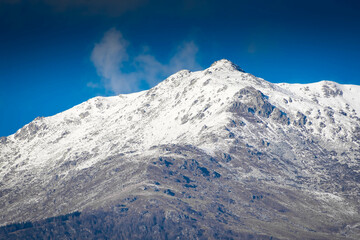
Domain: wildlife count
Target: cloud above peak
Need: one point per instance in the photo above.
(108, 56)
(112, 62)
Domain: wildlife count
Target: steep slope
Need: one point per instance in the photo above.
(217, 153)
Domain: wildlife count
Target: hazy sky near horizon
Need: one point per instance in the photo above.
(57, 54)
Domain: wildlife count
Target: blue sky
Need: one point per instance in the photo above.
(56, 54)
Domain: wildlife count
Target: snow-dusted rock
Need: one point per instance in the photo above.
(270, 156)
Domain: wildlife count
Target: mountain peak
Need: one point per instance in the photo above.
(202, 144)
(225, 64)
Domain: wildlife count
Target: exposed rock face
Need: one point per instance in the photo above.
(3, 140)
(217, 154)
(300, 119)
(251, 101)
(330, 90)
(29, 131)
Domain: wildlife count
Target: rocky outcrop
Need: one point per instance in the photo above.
(29, 131)
(249, 101)
(300, 119)
(330, 90)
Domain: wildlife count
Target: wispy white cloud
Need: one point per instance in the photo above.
(185, 56)
(110, 55)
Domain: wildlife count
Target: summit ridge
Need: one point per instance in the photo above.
(226, 64)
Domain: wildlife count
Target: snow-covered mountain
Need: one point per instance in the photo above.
(218, 153)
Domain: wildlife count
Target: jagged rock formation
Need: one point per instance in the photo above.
(214, 154)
